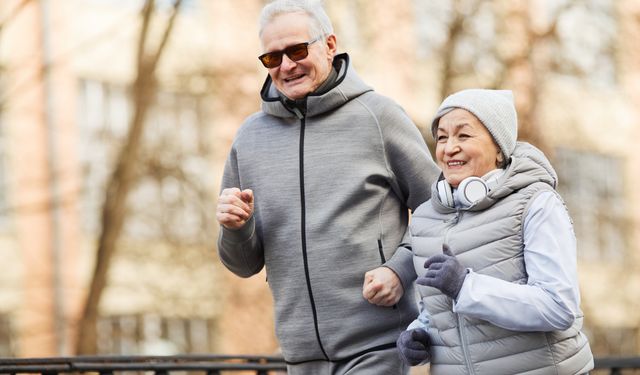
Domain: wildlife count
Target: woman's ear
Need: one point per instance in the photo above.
(499, 159)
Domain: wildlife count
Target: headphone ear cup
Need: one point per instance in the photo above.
(444, 191)
(471, 190)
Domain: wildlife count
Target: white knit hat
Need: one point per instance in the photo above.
(494, 108)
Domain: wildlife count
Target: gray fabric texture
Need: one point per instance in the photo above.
(336, 184)
(380, 362)
(487, 238)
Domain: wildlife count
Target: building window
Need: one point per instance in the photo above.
(588, 54)
(104, 120)
(592, 185)
(431, 18)
(174, 170)
(155, 335)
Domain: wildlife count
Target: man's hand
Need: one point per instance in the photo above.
(413, 346)
(234, 208)
(444, 272)
(382, 287)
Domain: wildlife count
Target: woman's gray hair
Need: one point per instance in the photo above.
(320, 26)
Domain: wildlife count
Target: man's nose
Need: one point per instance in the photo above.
(287, 63)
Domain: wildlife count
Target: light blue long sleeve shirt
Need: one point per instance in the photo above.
(551, 298)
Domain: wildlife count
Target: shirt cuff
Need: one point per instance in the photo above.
(463, 294)
(240, 235)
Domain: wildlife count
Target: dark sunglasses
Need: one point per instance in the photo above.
(295, 52)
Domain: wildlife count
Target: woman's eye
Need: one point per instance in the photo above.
(441, 138)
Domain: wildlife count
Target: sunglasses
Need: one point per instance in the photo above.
(295, 52)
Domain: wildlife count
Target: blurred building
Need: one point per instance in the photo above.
(67, 70)
(67, 67)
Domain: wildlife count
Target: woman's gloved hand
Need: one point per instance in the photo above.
(413, 346)
(444, 272)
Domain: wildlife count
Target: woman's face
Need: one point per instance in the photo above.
(464, 147)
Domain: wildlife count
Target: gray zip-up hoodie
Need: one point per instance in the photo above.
(333, 179)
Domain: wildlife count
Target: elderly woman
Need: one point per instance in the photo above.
(495, 252)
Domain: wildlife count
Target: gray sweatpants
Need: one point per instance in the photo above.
(381, 362)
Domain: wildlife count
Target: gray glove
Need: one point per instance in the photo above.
(413, 346)
(444, 272)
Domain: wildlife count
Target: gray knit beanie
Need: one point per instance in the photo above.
(494, 108)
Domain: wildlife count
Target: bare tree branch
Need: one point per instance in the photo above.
(113, 213)
(13, 14)
(455, 31)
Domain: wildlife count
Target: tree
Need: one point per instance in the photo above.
(122, 179)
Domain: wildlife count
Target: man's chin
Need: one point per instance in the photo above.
(296, 92)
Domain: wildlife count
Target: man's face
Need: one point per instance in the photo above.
(297, 79)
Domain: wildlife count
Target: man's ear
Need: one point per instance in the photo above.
(332, 45)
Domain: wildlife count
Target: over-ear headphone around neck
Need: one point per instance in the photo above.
(469, 191)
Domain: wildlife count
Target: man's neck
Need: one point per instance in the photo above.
(328, 83)
(301, 104)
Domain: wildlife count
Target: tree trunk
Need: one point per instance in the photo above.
(122, 179)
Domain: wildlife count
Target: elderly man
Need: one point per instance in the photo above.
(317, 188)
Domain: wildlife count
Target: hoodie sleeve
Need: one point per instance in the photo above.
(409, 161)
(412, 172)
(240, 250)
(402, 261)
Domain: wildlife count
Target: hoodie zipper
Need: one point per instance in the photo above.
(303, 232)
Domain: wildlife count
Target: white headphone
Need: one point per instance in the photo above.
(471, 189)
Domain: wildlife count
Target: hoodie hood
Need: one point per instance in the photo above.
(534, 163)
(346, 87)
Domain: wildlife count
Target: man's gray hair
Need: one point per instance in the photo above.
(320, 26)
